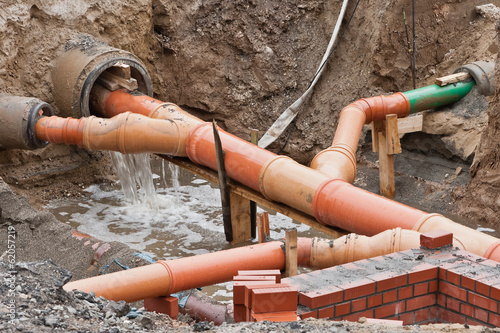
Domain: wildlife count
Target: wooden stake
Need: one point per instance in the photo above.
(291, 252)
(253, 205)
(262, 226)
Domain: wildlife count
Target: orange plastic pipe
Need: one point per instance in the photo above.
(343, 205)
(167, 277)
(339, 160)
(127, 133)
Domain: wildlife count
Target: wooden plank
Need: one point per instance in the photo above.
(130, 84)
(393, 146)
(377, 126)
(452, 78)
(291, 252)
(410, 124)
(263, 227)
(240, 218)
(254, 134)
(251, 194)
(120, 69)
(110, 85)
(386, 168)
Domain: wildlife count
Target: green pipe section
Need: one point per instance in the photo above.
(431, 97)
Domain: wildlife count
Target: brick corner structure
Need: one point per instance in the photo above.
(259, 295)
(435, 239)
(415, 287)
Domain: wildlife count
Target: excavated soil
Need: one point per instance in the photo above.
(242, 63)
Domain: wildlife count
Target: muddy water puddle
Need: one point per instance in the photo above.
(184, 220)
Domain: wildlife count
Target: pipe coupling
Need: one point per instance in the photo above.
(19, 117)
(483, 73)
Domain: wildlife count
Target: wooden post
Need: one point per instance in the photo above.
(291, 252)
(262, 226)
(240, 218)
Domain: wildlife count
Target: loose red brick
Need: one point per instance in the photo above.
(389, 280)
(420, 302)
(390, 310)
(358, 305)
(274, 299)
(269, 279)
(266, 272)
(390, 296)
(239, 289)
(483, 302)
(319, 298)
(435, 239)
(447, 316)
(421, 289)
(325, 313)
(356, 316)
(405, 292)
(250, 287)
(357, 289)
(422, 315)
(386, 322)
(481, 314)
(467, 310)
(423, 272)
(275, 316)
(453, 291)
(374, 300)
(433, 286)
(239, 313)
(407, 318)
(342, 309)
(168, 305)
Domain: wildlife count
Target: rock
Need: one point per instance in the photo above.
(120, 308)
(52, 321)
(202, 326)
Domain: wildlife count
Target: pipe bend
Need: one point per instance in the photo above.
(336, 162)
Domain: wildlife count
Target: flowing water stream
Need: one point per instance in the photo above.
(171, 214)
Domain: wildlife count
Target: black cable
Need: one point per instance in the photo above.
(413, 50)
(319, 71)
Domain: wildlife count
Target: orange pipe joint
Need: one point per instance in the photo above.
(243, 160)
(343, 205)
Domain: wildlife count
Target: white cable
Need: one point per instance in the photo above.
(289, 114)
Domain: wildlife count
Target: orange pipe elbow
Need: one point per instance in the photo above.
(242, 159)
(343, 205)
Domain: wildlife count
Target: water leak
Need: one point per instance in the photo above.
(182, 219)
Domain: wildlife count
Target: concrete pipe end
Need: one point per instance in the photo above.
(483, 73)
(82, 63)
(19, 117)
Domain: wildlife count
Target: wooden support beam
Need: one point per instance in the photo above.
(393, 146)
(106, 78)
(410, 124)
(263, 227)
(254, 133)
(452, 78)
(291, 252)
(377, 126)
(240, 218)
